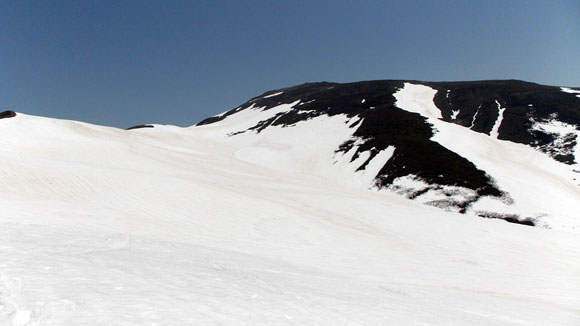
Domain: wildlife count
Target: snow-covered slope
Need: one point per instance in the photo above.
(495, 149)
(190, 226)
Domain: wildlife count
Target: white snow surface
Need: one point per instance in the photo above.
(188, 226)
(272, 95)
(571, 91)
(474, 117)
(495, 129)
(454, 114)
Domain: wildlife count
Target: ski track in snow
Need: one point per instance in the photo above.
(190, 226)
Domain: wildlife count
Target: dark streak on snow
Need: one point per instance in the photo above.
(139, 127)
(7, 114)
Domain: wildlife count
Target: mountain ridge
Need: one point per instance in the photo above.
(403, 144)
(545, 118)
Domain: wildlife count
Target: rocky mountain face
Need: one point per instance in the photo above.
(410, 121)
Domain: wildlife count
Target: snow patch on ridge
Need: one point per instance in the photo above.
(474, 117)
(570, 91)
(495, 129)
(415, 98)
(454, 114)
(272, 95)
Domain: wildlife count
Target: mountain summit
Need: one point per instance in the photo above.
(499, 149)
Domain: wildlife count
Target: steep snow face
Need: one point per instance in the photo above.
(176, 226)
(418, 99)
(537, 186)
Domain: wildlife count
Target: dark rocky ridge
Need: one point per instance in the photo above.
(7, 114)
(547, 103)
(383, 124)
(140, 127)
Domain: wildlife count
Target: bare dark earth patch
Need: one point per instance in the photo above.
(139, 127)
(511, 218)
(7, 114)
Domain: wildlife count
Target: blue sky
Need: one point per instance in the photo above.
(121, 63)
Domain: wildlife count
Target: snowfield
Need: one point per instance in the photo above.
(188, 226)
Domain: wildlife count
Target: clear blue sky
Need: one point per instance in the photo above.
(122, 63)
